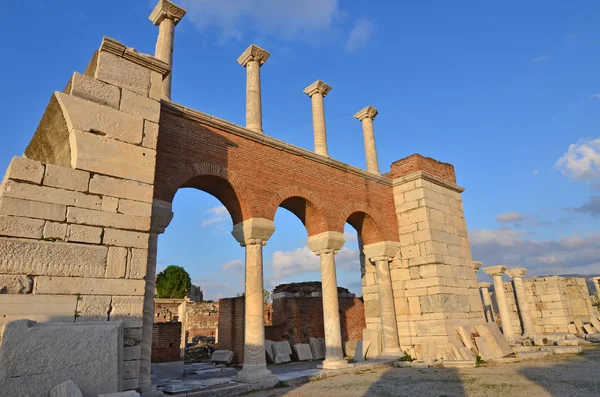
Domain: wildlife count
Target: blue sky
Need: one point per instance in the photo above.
(508, 92)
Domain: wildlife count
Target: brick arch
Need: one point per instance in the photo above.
(303, 203)
(367, 221)
(216, 180)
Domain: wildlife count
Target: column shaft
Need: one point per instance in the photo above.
(164, 51)
(528, 328)
(320, 132)
(387, 308)
(507, 329)
(253, 97)
(487, 305)
(370, 148)
(331, 312)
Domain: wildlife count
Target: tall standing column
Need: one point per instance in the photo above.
(496, 272)
(166, 15)
(487, 302)
(252, 59)
(161, 217)
(381, 254)
(366, 116)
(317, 91)
(326, 245)
(253, 234)
(527, 321)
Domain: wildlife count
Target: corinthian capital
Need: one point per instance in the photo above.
(166, 9)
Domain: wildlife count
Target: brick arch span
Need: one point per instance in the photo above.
(367, 221)
(303, 203)
(216, 180)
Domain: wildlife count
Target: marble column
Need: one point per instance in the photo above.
(326, 245)
(252, 59)
(526, 320)
(253, 234)
(166, 15)
(317, 91)
(496, 272)
(381, 254)
(366, 116)
(161, 217)
(487, 302)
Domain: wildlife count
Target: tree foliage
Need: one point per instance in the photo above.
(173, 283)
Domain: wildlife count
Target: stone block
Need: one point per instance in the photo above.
(122, 73)
(317, 348)
(132, 353)
(132, 337)
(156, 80)
(15, 284)
(88, 286)
(282, 358)
(129, 309)
(349, 348)
(150, 139)
(222, 356)
(56, 231)
(303, 351)
(131, 369)
(66, 178)
(84, 216)
(93, 90)
(110, 204)
(374, 337)
(116, 264)
(13, 226)
(66, 389)
(37, 357)
(93, 308)
(124, 238)
(22, 169)
(282, 347)
(51, 195)
(485, 352)
(138, 105)
(32, 209)
(362, 349)
(138, 208)
(85, 234)
(138, 264)
(269, 350)
(33, 257)
(121, 188)
(37, 308)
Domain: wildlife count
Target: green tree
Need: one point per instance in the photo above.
(173, 283)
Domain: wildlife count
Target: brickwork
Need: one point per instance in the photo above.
(231, 327)
(202, 319)
(166, 341)
(416, 162)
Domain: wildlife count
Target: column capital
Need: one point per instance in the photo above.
(326, 242)
(383, 250)
(477, 265)
(516, 273)
(253, 53)
(318, 87)
(495, 270)
(484, 285)
(166, 10)
(367, 113)
(162, 215)
(253, 231)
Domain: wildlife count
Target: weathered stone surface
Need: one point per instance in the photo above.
(85, 234)
(66, 389)
(32, 209)
(132, 337)
(22, 169)
(37, 357)
(269, 349)
(222, 356)
(444, 303)
(131, 369)
(116, 263)
(374, 337)
(14, 226)
(150, 134)
(51, 195)
(138, 264)
(138, 208)
(124, 238)
(110, 204)
(32, 257)
(317, 348)
(362, 349)
(132, 353)
(138, 105)
(303, 351)
(38, 308)
(121, 188)
(282, 358)
(66, 178)
(93, 308)
(282, 347)
(84, 216)
(129, 309)
(88, 286)
(122, 73)
(349, 348)
(93, 90)
(14, 284)
(54, 230)
(131, 383)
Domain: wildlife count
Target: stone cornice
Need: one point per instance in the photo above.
(428, 177)
(145, 60)
(254, 53)
(231, 128)
(318, 87)
(368, 112)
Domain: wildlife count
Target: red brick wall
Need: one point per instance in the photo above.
(166, 340)
(202, 319)
(416, 162)
(231, 327)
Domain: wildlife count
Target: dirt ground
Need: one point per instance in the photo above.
(557, 376)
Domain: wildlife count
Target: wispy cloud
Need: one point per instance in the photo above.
(360, 34)
(236, 264)
(510, 217)
(592, 207)
(595, 96)
(541, 58)
(302, 260)
(582, 161)
(535, 172)
(215, 215)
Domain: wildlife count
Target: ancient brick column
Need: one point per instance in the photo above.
(381, 254)
(326, 245)
(252, 59)
(366, 116)
(487, 302)
(517, 276)
(253, 234)
(166, 15)
(496, 272)
(317, 91)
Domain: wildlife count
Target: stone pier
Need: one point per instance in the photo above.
(522, 301)
(496, 272)
(252, 59)
(317, 91)
(366, 116)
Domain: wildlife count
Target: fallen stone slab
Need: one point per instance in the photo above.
(282, 358)
(534, 355)
(66, 389)
(458, 364)
(317, 348)
(566, 349)
(484, 350)
(402, 364)
(568, 342)
(269, 349)
(419, 364)
(303, 351)
(222, 356)
(282, 347)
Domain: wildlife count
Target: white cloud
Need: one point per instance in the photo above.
(360, 34)
(541, 58)
(303, 260)
(582, 161)
(236, 264)
(216, 215)
(510, 217)
(595, 96)
(350, 237)
(535, 172)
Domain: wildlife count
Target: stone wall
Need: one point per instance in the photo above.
(166, 342)
(231, 327)
(202, 319)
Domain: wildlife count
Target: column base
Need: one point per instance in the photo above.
(255, 374)
(338, 363)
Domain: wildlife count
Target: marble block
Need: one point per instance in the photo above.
(222, 356)
(317, 348)
(303, 352)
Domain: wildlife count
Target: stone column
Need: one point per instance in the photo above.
(381, 254)
(253, 234)
(252, 59)
(326, 245)
(317, 91)
(487, 302)
(161, 217)
(166, 15)
(496, 272)
(527, 321)
(366, 116)
(476, 266)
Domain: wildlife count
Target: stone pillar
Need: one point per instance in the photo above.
(527, 322)
(496, 272)
(252, 59)
(487, 302)
(476, 266)
(326, 245)
(166, 15)
(253, 234)
(317, 91)
(161, 217)
(366, 116)
(381, 254)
